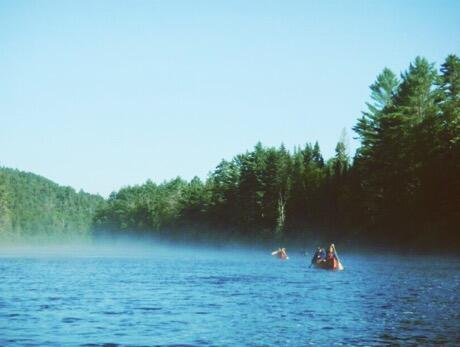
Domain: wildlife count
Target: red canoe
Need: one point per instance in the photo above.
(329, 265)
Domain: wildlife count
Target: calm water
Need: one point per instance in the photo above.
(200, 299)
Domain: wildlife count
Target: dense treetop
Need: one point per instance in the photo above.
(32, 206)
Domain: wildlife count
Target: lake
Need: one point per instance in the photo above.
(186, 297)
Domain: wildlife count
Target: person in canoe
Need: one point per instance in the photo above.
(281, 253)
(331, 257)
(319, 256)
(331, 261)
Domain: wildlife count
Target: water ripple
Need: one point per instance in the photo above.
(150, 302)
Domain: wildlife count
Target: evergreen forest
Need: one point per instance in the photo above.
(402, 186)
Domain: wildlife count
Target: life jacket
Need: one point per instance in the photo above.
(331, 261)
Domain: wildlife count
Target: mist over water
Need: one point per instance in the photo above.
(128, 246)
(143, 292)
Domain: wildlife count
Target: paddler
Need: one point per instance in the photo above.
(319, 256)
(331, 257)
(281, 253)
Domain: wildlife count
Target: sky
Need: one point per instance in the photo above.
(102, 94)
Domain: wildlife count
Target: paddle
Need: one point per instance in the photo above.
(339, 266)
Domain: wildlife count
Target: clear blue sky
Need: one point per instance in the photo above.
(102, 94)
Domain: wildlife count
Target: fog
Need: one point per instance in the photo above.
(133, 245)
(128, 246)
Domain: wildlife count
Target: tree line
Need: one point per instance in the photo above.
(403, 184)
(401, 187)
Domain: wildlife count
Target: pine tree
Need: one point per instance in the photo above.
(369, 125)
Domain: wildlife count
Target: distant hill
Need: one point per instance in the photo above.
(32, 206)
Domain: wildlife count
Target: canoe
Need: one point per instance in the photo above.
(324, 265)
(280, 255)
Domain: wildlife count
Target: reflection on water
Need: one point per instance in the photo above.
(254, 300)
